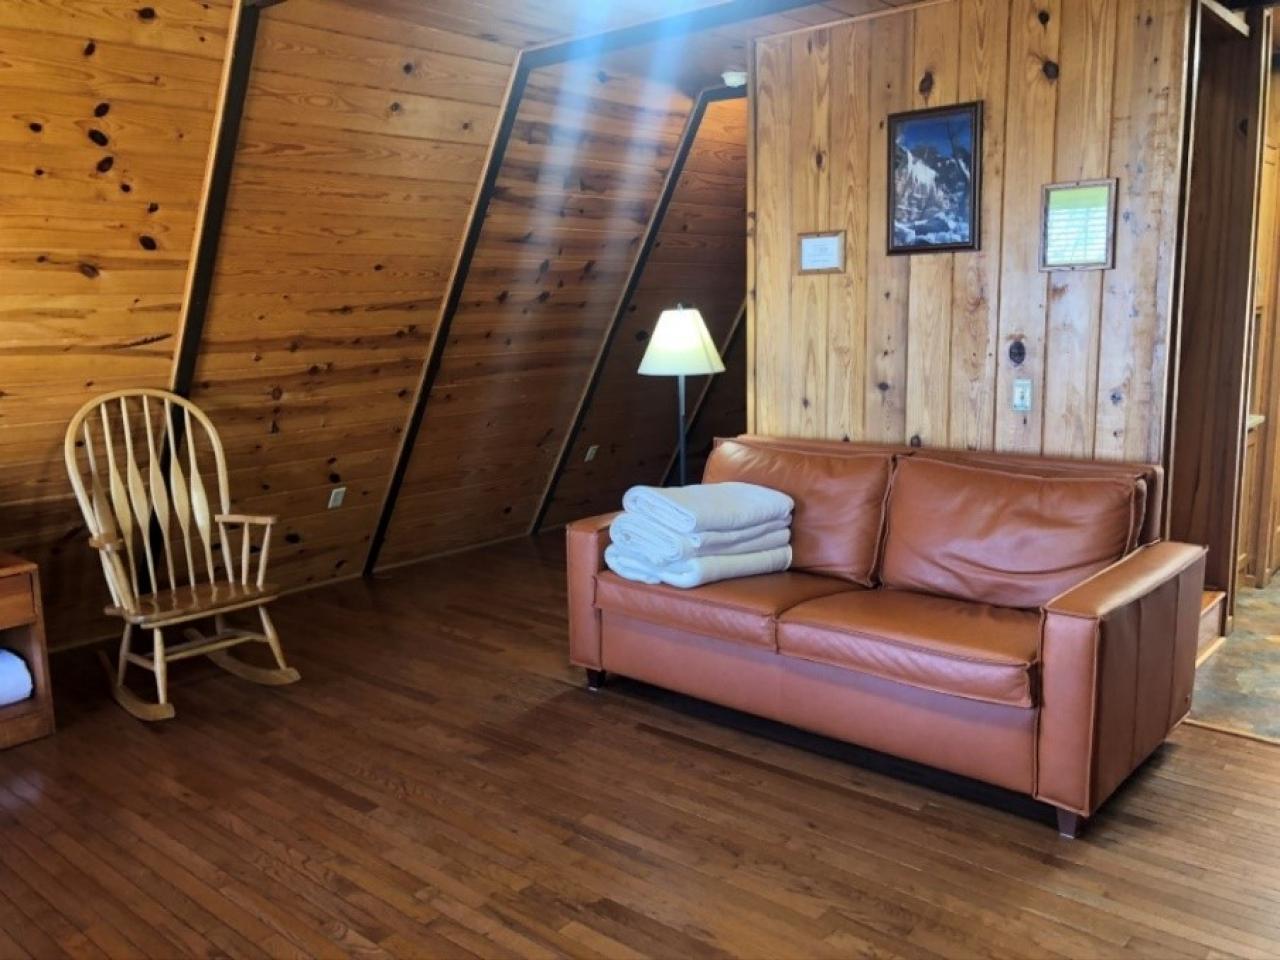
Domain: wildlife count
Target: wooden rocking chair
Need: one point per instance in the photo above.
(134, 459)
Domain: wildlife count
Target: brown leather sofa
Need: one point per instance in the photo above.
(1009, 619)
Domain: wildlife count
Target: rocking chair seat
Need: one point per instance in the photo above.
(191, 603)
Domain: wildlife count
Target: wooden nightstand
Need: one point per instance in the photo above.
(22, 630)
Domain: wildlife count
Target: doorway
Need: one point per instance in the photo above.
(1224, 459)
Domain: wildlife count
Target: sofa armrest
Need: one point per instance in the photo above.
(1117, 666)
(585, 544)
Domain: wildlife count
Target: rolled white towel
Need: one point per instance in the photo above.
(15, 678)
(658, 544)
(709, 506)
(699, 570)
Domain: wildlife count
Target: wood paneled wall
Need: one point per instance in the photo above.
(107, 113)
(363, 139)
(366, 124)
(587, 159)
(723, 410)
(916, 348)
(699, 257)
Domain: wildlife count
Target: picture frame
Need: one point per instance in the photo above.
(1078, 225)
(935, 180)
(822, 252)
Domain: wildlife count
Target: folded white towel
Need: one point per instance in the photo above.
(696, 571)
(709, 506)
(699, 570)
(15, 678)
(658, 544)
(630, 565)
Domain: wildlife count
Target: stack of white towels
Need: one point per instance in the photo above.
(688, 536)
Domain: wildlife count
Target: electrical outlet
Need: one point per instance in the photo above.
(336, 496)
(1022, 395)
(591, 453)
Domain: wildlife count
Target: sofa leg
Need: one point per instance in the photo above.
(1069, 823)
(595, 679)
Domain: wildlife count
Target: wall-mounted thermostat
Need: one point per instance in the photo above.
(1022, 395)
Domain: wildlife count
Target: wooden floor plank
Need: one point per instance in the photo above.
(441, 785)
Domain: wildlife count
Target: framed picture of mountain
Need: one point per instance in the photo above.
(935, 179)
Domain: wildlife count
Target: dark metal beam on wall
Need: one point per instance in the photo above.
(531, 59)
(213, 208)
(435, 356)
(205, 256)
(687, 138)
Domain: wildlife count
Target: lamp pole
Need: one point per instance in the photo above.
(682, 438)
(680, 346)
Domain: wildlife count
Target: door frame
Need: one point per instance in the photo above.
(1218, 261)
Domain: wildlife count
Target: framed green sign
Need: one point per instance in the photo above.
(1078, 229)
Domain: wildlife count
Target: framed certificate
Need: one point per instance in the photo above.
(822, 252)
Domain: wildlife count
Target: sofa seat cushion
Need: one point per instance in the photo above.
(840, 502)
(969, 650)
(993, 536)
(744, 610)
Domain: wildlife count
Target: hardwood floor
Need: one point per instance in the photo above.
(441, 785)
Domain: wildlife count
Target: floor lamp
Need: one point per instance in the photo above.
(681, 347)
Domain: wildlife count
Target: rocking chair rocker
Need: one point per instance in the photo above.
(106, 440)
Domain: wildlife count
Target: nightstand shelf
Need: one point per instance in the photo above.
(22, 630)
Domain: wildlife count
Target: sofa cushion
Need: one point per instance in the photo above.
(1003, 538)
(839, 513)
(969, 650)
(1145, 477)
(744, 610)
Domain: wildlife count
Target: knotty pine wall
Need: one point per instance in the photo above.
(916, 348)
(363, 140)
(699, 257)
(365, 129)
(104, 131)
(587, 159)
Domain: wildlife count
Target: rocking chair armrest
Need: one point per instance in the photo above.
(261, 519)
(246, 521)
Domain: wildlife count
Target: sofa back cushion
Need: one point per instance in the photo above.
(1146, 493)
(840, 500)
(999, 537)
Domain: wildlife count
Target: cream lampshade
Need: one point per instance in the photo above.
(680, 347)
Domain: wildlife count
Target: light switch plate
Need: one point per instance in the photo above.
(1022, 395)
(336, 496)
(591, 453)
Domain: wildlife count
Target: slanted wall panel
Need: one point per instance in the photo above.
(363, 140)
(699, 258)
(108, 113)
(587, 159)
